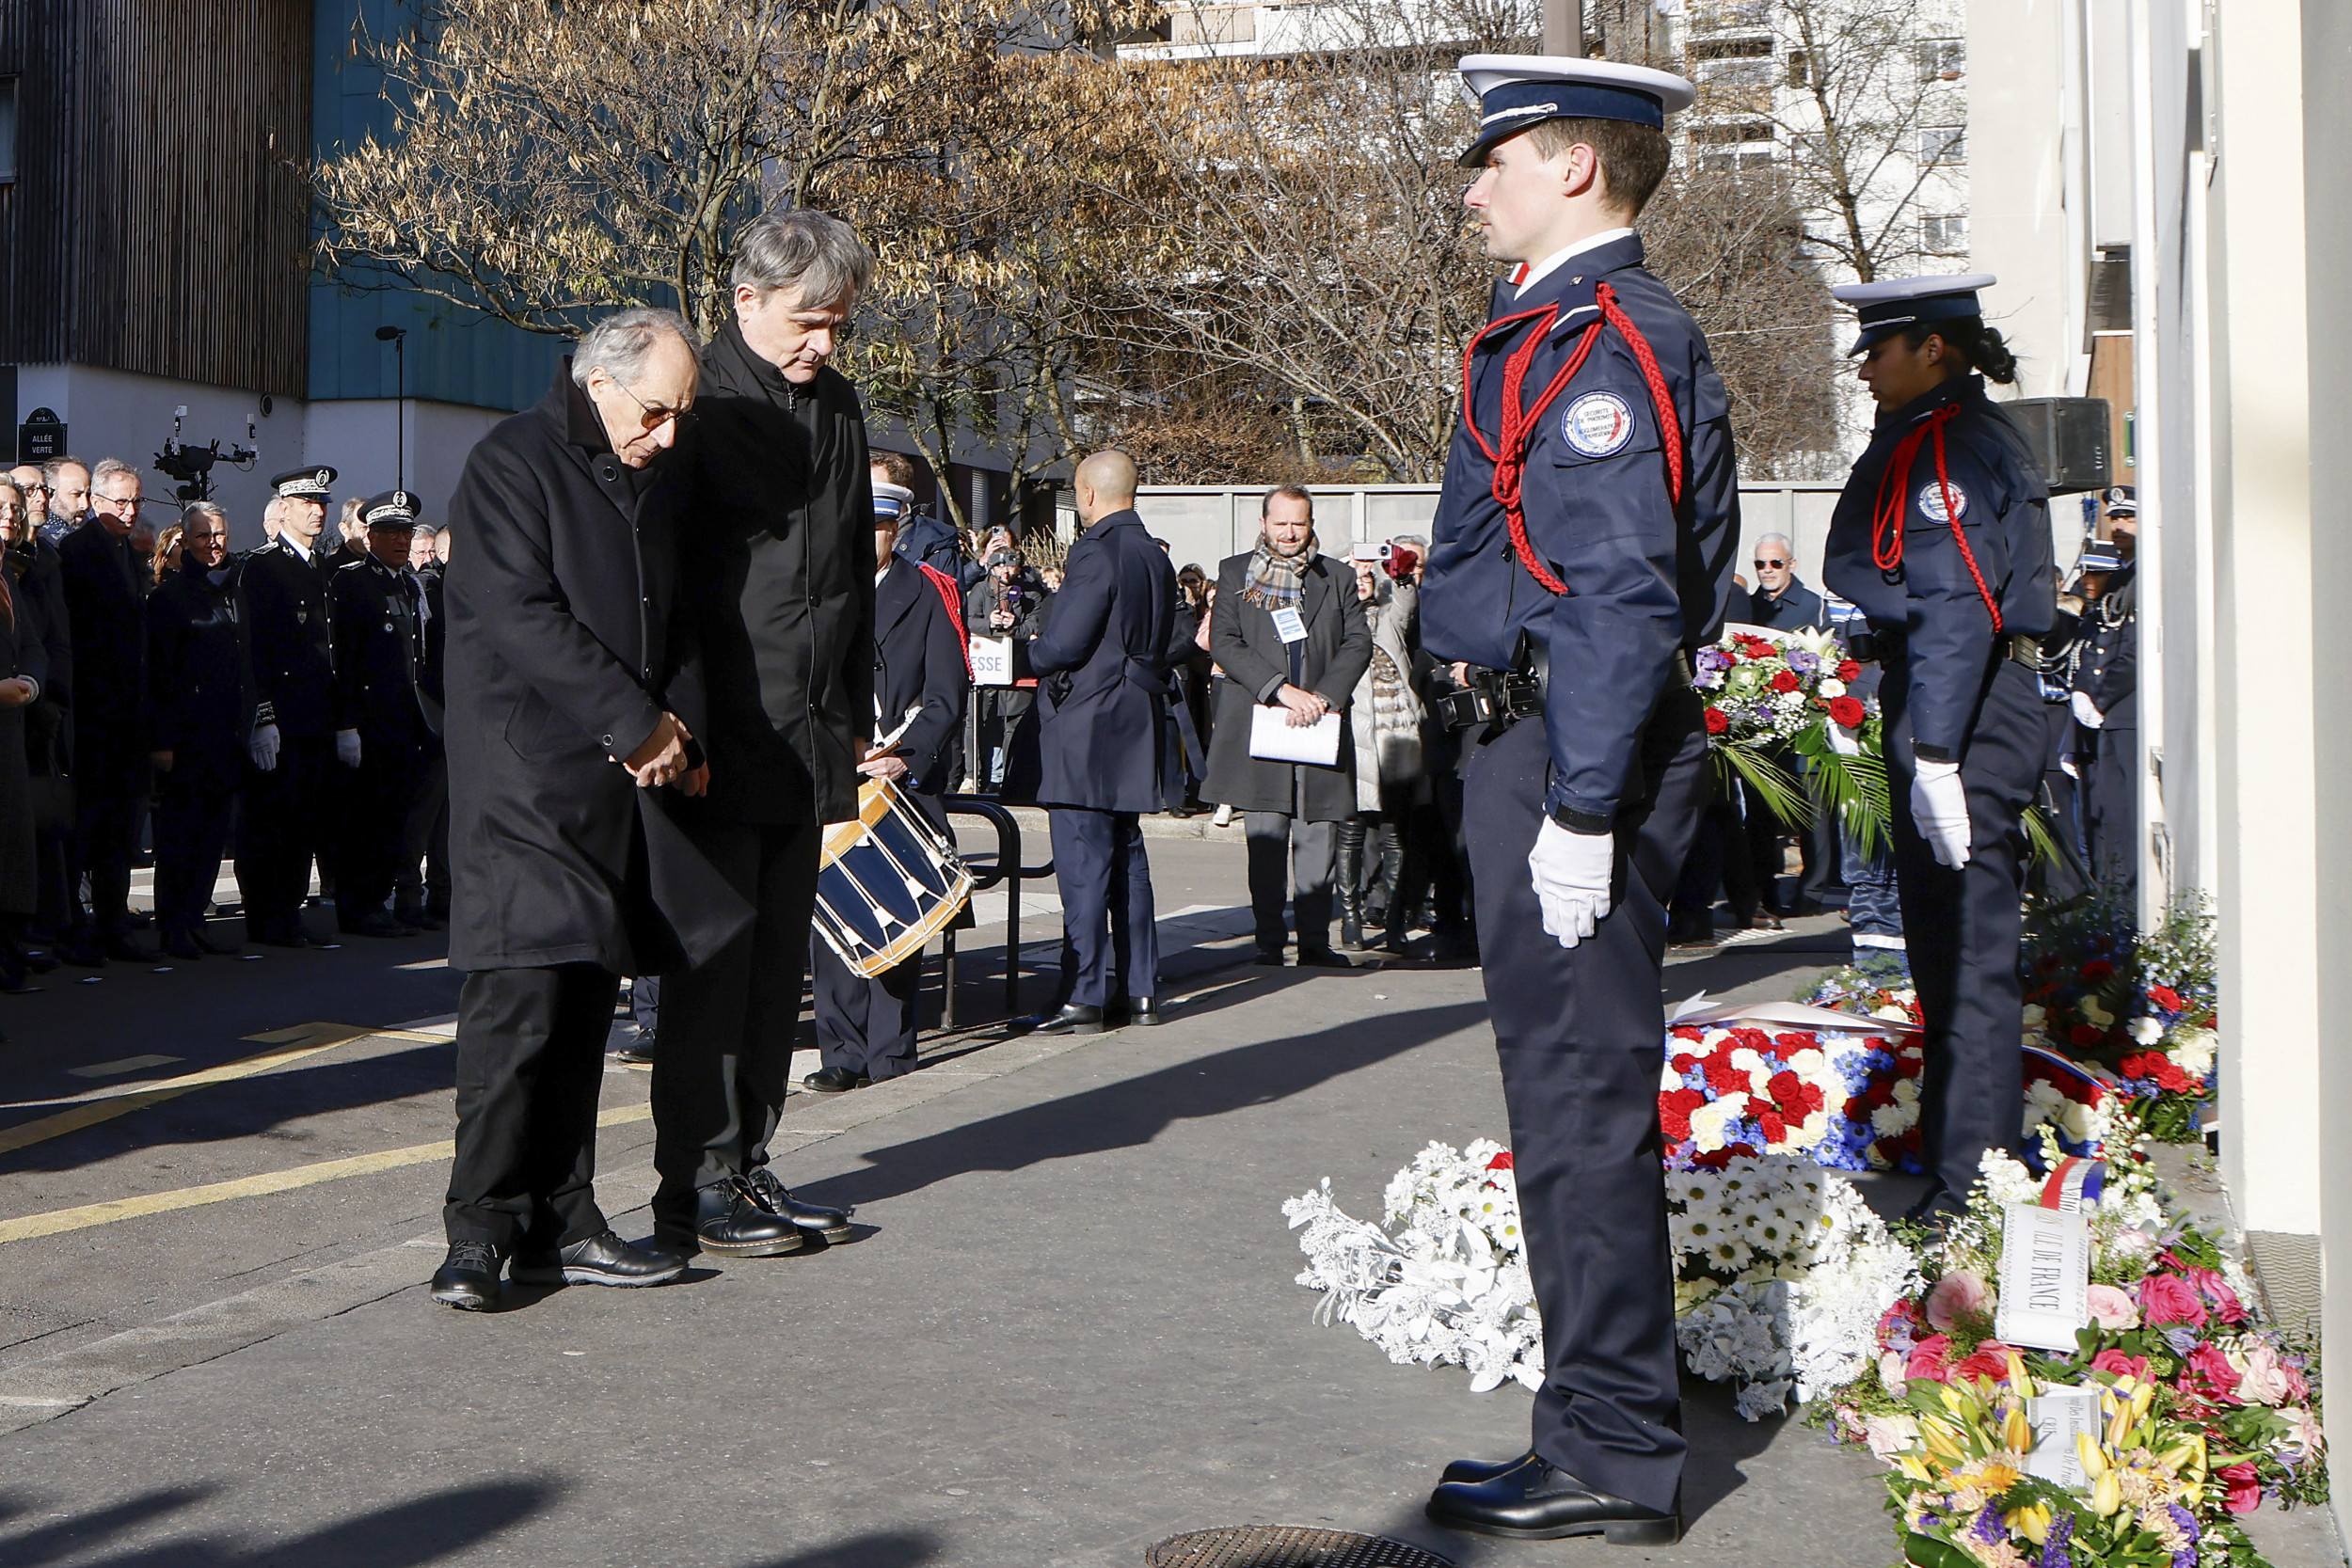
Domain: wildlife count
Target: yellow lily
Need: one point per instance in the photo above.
(2020, 1382)
(2032, 1522)
(2107, 1496)
(2087, 1449)
(2016, 1432)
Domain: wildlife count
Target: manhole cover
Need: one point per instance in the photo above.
(1287, 1546)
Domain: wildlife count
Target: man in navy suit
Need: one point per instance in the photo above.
(866, 1025)
(1110, 638)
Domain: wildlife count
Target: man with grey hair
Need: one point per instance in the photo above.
(67, 478)
(106, 594)
(1783, 603)
(571, 712)
(778, 566)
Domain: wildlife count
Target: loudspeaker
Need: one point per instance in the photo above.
(2068, 438)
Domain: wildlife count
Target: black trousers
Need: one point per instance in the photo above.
(529, 1065)
(865, 1024)
(2110, 809)
(284, 813)
(1110, 936)
(1579, 1031)
(377, 797)
(107, 838)
(421, 878)
(1962, 926)
(727, 1028)
(191, 834)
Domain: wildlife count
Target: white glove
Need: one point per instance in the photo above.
(347, 748)
(264, 746)
(1845, 743)
(2086, 714)
(1939, 808)
(1571, 876)
(2067, 765)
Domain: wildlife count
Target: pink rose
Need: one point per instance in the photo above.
(2111, 1309)
(2268, 1380)
(1956, 1295)
(2166, 1298)
(2115, 1361)
(1930, 1358)
(1991, 1361)
(2210, 1369)
(2246, 1487)
(2215, 1289)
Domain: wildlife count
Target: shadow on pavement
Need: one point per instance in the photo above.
(885, 1549)
(1134, 1111)
(404, 1535)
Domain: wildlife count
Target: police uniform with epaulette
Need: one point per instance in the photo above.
(1585, 543)
(385, 734)
(1942, 538)
(288, 624)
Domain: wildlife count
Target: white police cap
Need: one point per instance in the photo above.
(1890, 304)
(1515, 91)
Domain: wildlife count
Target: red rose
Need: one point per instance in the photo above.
(1930, 1358)
(2208, 1366)
(1782, 1087)
(2130, 1066)
(1794, 1042)
(1500, 1162)
(1809, 1099)
(1775, 1127)
(1716, 722)
(1786, 680)
(1713, 1159)
(1848, 668)
(1674, 1111)
(1848, 711)
(1911, 1063)
(1991, 1360)
(1725, 1079)
(1880, 1092)
(2166, 1298)
(2085, 1034)
(2246, 1487)
(2121, 1365)
(2168, 1076)
(1683, 1061)
(2166, 998)
(1857, 1109)
(2096, 970)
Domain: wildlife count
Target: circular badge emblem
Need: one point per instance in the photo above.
(1599, 424)
(1931, 503)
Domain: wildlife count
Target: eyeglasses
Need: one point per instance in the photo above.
(654, 415)
(1763, 564)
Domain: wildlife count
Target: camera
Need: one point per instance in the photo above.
(193, 464)
(1491, 697)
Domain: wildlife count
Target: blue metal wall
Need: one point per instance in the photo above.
(455, 356)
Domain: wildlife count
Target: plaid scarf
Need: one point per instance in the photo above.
(1274, 581)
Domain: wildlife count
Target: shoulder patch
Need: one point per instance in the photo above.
(1599, 424)
(1931, 503)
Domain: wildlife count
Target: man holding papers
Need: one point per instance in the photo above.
(1290, 636)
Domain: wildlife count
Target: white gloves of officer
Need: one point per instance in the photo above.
(1571, 876)
(347, 748)
(264, 746)
(1939, 807)
(2086, 713)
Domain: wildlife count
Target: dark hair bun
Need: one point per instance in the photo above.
(1990, 356)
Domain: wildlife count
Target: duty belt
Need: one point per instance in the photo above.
(2017, 647)
(1503, 697)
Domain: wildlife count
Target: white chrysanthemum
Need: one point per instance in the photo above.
(2193, 1052)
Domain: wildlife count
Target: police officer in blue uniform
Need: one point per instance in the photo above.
(1584, 547)
(385, 734)
(866, 1024)
(1942, 539)
(1110, 638)
(2104, 706)
(289, 627)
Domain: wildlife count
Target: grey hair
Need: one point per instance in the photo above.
(56, 466)
(798, 248)
(106, 469)
(621, 342)
(1780, 539)
(207, 508)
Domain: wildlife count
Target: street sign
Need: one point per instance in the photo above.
(41, 438)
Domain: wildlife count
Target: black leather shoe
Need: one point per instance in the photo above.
(1072, 1019)
(832, 1224)
(39, 962)
(268, 934)
(731, 1222)
(415, 916)
(81, 955)
(1533, 1501)
(469, 1278)
(604, 1260)
(375, 923)
(835, 1080)
(1472, 1472)
(1143, 1011)
(123, 950)
(1269, 957)
(1323, 958)
(217, 948)
(179, 944)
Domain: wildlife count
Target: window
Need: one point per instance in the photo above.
(1942, 59)
(1734, 13)
(1736, 72)
(1746, 131)
(1800, 69)
(1943, 236)
(1946, 145)
(1731, 49)
(8, 129)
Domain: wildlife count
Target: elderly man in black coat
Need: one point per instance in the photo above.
(777, 564)
(1291, 635)
(866, 1025)
(106, 594)
(1110, 638)
(569, 684)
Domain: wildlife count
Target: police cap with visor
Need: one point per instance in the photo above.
(1515, 91)
(1887, 308)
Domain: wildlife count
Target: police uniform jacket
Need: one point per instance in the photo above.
(105, 594)
(1798, 609)
(380, 655)
(2108, 669)
(778, 561)
(918, 663)
(1257, 664)
(200, 692)
(290, 627)
(1649, 578)
(930, 540)
(1929, 601)
(1108, 640)
(564, 647)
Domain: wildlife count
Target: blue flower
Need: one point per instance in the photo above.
(2054, 1552)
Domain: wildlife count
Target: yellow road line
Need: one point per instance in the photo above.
(89, 1215)
(287, 1045)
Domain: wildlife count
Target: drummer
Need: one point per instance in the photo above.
(865, 1027)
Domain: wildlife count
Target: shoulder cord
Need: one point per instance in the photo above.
(1508, 452)
(1894, 502)
(952, 596)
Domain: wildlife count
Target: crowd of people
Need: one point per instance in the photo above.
(168, 701)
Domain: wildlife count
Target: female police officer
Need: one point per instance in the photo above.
(1942, 538)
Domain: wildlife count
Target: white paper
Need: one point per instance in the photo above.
(1787, 1015)
(991, 661)
(2057, 1417)
(2045, 1277)
(1274, 739)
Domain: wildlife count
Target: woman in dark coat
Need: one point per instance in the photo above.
(23, 663)
(1285, 583)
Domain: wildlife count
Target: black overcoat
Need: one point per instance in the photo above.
(561, 654)
(21, 654)
(200, 693)
(105, 597)
(1257, 664)
(918, 663)
(777, 558)
(1109, 638)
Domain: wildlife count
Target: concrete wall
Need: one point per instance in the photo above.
(2025, 218)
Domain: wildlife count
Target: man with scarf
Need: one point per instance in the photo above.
(1289, 635)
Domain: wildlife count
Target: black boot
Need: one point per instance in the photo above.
(1398, 914)
(1349, 876)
